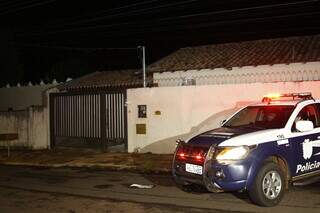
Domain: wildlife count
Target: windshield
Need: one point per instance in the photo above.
(264, 117)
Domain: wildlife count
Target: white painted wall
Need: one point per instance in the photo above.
(30, 124)
(187, 110)
(309, 71)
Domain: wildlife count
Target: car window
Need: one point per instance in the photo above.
(318, 114)
(308, 113)
(266, 117)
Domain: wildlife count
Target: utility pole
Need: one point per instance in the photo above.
(143, 65)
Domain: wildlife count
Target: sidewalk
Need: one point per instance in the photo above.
(135, 162)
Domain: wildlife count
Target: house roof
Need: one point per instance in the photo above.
(247, 53)
(106, 79)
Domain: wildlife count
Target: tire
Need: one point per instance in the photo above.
(269, 186)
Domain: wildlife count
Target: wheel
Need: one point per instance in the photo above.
(269, 185)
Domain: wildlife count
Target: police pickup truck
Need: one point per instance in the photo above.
(261, 149)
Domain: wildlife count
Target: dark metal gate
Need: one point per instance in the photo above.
(88, 119)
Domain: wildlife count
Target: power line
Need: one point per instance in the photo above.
(27, 7)
(169, 19)
(11, 5)
(166, 21)
(104, 11)
(73, 48)
(134, 12)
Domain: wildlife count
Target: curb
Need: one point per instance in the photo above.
(93, 166)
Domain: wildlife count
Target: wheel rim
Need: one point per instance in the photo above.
(272, 184)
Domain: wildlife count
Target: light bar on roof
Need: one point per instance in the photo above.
(278, 97)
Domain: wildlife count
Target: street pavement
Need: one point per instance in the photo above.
(82, 185)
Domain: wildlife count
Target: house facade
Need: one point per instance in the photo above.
(271, 60)
(198, 87)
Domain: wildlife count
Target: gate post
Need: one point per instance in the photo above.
(103, 122)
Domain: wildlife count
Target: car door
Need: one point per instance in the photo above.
(305, 146)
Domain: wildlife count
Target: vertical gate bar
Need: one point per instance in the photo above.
(95, 116)
(70, 115)
(109, 127)
(67, 116)
(89, 116)
(52, 120)
(103, 121)
(65, 112)
(108, 115)
(77, 115)
(99, 117)
(85, 116)
(63, 116)
(116, 115)
(73, 116)
(125, 120)
(121, 115)
(59, 115)
(112, 116)
(82, 117)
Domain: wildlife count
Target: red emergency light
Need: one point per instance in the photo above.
(286, 96)
(191, 153)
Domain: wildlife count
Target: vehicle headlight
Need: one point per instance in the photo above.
(232, 153)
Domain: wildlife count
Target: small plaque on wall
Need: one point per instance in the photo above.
(141, 129)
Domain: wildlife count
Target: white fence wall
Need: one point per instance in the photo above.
(187, 110)
(238, 75)
(30, 125)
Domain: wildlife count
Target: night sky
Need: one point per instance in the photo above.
(47, 39)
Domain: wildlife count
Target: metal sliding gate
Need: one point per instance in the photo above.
(88, 119)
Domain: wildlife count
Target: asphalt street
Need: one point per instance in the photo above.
(27, 189)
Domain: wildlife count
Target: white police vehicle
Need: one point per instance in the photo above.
(261, 149)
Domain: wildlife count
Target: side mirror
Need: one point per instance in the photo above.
(222, 122)
(178, 142)
(304, 126)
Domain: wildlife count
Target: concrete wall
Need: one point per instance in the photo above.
(180, 112)
(239, 75)
(30, 124)
(20, 98)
